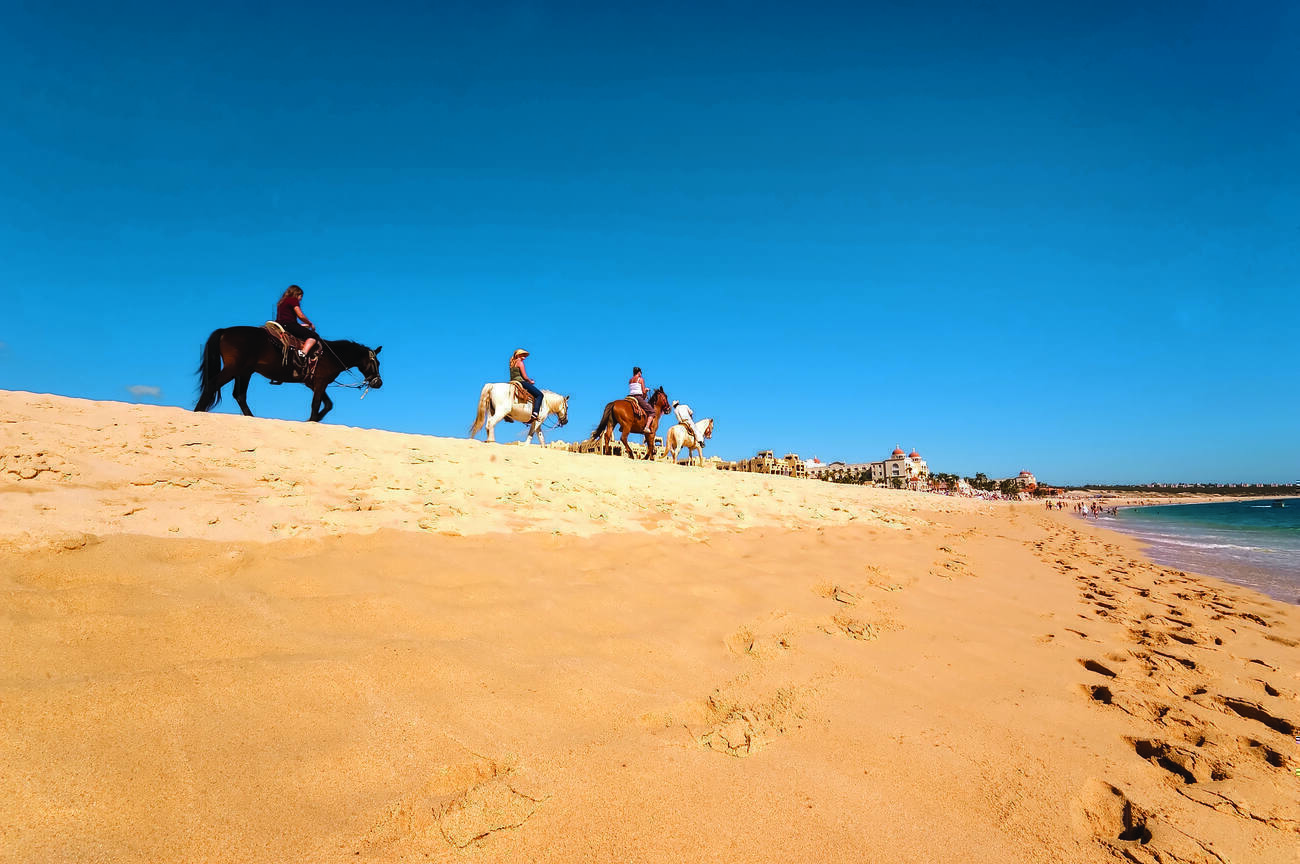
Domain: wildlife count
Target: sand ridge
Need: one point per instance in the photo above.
(113, 468)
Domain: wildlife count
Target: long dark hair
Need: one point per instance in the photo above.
(292, 291)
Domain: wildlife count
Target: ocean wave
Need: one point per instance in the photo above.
(1164, 540)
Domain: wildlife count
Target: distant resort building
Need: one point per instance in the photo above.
(905, 470)
(1025, 480)
(908, 469)
(765, 462)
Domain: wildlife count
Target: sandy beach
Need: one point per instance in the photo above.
(243, 640)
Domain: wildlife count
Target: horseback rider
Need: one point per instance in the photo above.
(684, 417)
(636, 388)
(288, 311)
(520, 376)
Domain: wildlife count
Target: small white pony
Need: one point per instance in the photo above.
(497, 401)
(678, 438)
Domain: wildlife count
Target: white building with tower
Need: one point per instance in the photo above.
(909, 469)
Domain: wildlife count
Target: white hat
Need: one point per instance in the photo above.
(676, 403)
(519, 351)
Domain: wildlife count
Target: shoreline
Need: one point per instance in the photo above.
(601, 678)
(1259, 556)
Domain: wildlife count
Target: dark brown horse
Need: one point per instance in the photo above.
(235, 353)
(620, 413)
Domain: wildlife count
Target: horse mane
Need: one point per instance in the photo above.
(347, 350)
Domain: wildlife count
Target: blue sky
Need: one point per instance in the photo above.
(1010, 236)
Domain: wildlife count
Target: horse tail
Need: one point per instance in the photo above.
(604, 422)
(209, 369)
(484, 406)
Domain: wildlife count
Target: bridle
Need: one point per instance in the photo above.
(558, 422)
(366, 382)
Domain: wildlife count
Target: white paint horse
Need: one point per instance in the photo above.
(497, 402)
(678, 438)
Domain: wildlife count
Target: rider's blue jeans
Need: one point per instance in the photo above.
(537, 397)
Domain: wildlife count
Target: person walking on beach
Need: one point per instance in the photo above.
(636, 389)
(519, 375)
(288, 312)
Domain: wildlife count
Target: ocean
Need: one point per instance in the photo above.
(1252, 543)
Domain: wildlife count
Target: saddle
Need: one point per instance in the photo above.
(289, 346)
(637, 410)
(521, 397)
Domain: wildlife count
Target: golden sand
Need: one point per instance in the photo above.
(246, 640)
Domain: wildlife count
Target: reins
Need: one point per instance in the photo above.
(363, 385)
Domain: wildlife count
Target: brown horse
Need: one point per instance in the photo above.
(620, 413)
(235, 353)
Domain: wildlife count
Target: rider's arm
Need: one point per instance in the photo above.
(523, 372)
(297, 310)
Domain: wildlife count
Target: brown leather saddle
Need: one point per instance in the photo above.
(637, 410)
(523, 399)
(289, 345)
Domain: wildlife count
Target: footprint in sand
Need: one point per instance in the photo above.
(740, 729)
(1094, 666)
(1188, 765)
(1260, 714)
(462, 804)
(1127, 831)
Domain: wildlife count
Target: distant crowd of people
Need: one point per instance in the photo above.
(1083, 508)
(1095, 510)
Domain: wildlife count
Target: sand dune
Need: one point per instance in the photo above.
(115, 468)
(248, 640)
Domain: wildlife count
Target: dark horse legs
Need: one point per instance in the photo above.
(241, 393)
(318, 397)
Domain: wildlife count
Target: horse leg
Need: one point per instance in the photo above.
(241, 393)
(626, 430)
(224, 377)
(320, 405)
(497, 415)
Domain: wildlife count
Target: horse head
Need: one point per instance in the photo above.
(660, 400)
(368, 366)
(707, 431)
(562, 410)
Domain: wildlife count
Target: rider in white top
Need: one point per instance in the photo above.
(637, 390)
(683, 414)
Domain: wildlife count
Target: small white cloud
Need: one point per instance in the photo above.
(144, 390)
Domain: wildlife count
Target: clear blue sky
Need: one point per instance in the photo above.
(1008, 235)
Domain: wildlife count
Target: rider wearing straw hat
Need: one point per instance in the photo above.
(518, 374)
